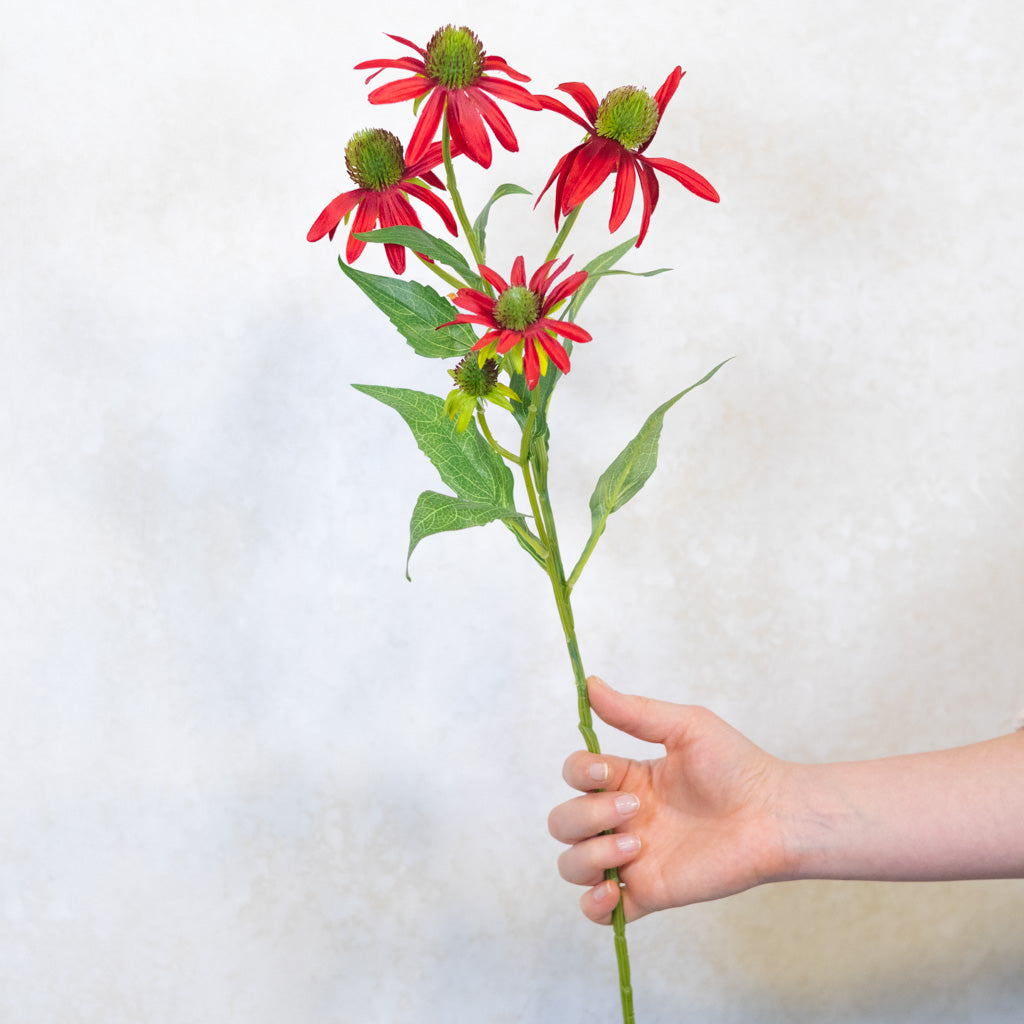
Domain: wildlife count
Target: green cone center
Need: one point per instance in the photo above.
(455, 57)
(517, 308)
(375, 159)
(475, 379)
(629, 116)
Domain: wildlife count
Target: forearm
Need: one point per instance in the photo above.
(952, 814)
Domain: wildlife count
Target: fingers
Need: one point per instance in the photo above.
(651, 720)
(589, 815)
(585, 863)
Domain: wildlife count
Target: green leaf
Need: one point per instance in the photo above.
(596, 269)
(416, 311)
(480, 224)
(466, 462)
(428, 245)
(632, 467)
(437, 513)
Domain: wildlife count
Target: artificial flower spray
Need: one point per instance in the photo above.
(510, 334)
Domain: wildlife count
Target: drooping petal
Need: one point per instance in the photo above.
(650, 189)
(402, 63)
(557, 354)
(495, 63)
(467, 128)
(508, 91)
(625, 184)
(426, 128)
(595, 160)
(365, 220)
(508, 340)
(333, 214)
(531, 364)
(686, 176)
(403, 89)
(584, 96)
(434, 202)
(561, 172)
(492, 114)
(556, 105)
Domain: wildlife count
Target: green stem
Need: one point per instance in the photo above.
(444, 275)
(453, 191)
(561, 589)
(503, 452)
(567, 226)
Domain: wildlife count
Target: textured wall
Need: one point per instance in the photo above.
(250, 773)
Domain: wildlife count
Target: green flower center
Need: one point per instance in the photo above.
(455, 57)
(517, 308)
(475, 379)
(375, 159)
(629, 116)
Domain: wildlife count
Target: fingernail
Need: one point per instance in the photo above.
(628, 843)
(605, 892)
(626, 803)
(599, 771)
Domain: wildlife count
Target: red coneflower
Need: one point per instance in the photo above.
(517, 318)
(620, 128)
(376, 163)
(453, 70)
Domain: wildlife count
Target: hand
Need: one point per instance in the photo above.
(697, 824)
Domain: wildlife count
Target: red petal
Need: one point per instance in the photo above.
(650, 189)
(475, 302)
(551, 103)
(560, 171)
(493, 279)
(496, 63)
(625, 184)
(595, 160)
(508, 340)
(584, 96)
(567, 329)
(434, 202)
(564, 289)
(668, 89)
(333, 213)
(403, 63)
(540, 276)
(426, 128)
(555, 351)
(531, 364)
(508, 91)
(403, 89)
(365, 219)
(519, 273)
(686, 176)
(407, 42)
(492, 114)
(467, 128)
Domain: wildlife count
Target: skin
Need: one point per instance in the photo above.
(717, 815)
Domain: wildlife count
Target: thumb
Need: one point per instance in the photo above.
(646, 719)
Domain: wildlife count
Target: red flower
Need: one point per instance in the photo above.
(377, 165)
(620, 129)
(519, 315)
(452, 69)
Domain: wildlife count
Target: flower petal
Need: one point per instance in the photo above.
(650, 189)
(686, 176)
(508, 91)
(519, 272)
(434, 202)
(365, 219)
(668, 89)
(552, 103)
(564, 289)
(495, 63)
(333, 214)
(426, 128)
(625, 184)
(467, 128)
(531, 364)
(595, 160)
(557, 354)
(495, 280)
(492, 114)
(567, 329)
(584, 96)
(403, 89)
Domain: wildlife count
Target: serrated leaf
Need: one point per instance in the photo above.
(438, 513)
(480, 224)
(416, 311)
(465, 462)
(633, 466)
(428, 245)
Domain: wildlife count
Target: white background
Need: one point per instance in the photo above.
(249, 773)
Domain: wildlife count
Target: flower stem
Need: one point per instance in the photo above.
(567, 226)
(556, 573)
(453, 191)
